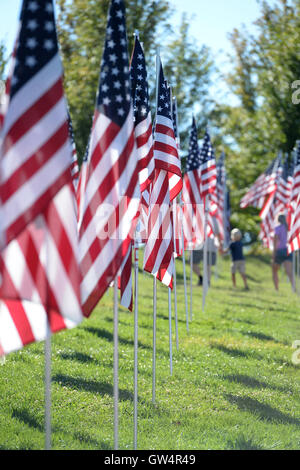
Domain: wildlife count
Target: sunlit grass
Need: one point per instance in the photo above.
(233, 386)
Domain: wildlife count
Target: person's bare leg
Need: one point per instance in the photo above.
(275, 268)
(233, 279)
(245, 280)
(288, 266)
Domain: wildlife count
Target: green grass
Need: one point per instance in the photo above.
(233, 386)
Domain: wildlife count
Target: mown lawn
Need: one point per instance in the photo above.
(233, 385)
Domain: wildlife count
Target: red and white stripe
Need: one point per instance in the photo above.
(264, 185)
(111, 201)
(34, 145)
(40, 277)
(158, 255)
(125, 280)
(193, 210)
(166, 154)
(294, 229)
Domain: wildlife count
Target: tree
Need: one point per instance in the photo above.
(81, 28)
(267, 119)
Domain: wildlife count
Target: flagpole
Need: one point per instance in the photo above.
(184, 281)
(154, 279)
(116, 367)
(154, 341)
(135, 414)
(174, 273)
(170, 331)
(298, 272)
(48, 386)
(205, 278)
(191, 285)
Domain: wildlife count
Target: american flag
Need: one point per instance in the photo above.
(165, 147)
(264, 185)
(40, 276)
(294, 228)
(294, 206)
(208, 175)
(193, 211)
(285, 185)
(221, 197)
(295, 185)
(159, 250)
(144, 140)
(272, 207)
(34, 163)
(142, 116)
(112, 195)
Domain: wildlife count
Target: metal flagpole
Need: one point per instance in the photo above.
(154, 341)
(205, 277)
(48, 387)
(136, 272)
(191, 285)
(170, 331)
(116, 367)
(175, 308)
(47, 354)
(298, 272)
(174, 274)
(184, 280)
(293, 267)
(154, 279)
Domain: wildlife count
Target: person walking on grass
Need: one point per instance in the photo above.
(237, 257)
(280, 252)
(198, 255)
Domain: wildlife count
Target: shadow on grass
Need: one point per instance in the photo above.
(91, 386)
(260, 336)
(27, 418)
(242, 443)
(88, 440)
(251, 382)
(263, 411)
(235, 352)
(101, 333)
(80, 357)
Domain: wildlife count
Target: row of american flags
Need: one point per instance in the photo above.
(274, 192)
(66, 233)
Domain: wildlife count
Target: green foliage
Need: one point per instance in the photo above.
(81, 28)
(3, 60)
(267, 120)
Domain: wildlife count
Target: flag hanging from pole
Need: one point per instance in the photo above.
(208, 171)
(159, 250)
(40, 277)
(112, 195)
(263, 186)
(34, 163)
(193, 209)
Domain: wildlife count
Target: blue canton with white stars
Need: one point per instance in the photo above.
(114, 96)
(174, 116)
(139, 83)
(297, 162)
(193, 159)
(164, 97)
(206, 151)
(37, 42)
